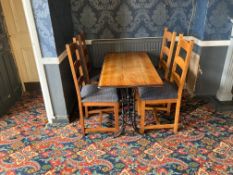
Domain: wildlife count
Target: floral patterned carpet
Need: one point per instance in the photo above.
(28, 145)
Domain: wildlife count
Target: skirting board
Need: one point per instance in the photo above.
(61, 119)
(221, 106)
(32, 86)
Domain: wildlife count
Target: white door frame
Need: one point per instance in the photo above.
(38, 58)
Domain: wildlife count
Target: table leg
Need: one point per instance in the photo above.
(128, 113)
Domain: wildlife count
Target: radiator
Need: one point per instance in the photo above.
(101, 47)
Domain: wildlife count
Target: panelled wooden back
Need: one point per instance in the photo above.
(73, 52)
(181, 62)
(80, 40)
(168, 43)
(83, 42)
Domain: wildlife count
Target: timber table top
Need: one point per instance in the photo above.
(129, 69)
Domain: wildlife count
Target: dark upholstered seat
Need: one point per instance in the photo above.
(167, 91)
(88, 90)
(91, 93)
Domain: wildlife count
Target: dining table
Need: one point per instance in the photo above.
(127, 71)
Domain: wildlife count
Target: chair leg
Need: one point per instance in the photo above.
(86, 111)
(177, 116)
(116, 114)
(81, 120)
(168, 109)
(101, 117)
(142, 120)
(156, 118)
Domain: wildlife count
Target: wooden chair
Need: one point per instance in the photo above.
(91, 74)
(90, 95)
(171, 91)
(167, 48)
(168, 43)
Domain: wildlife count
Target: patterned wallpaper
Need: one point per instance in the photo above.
(54, 25)
(205, 19)
(44, 27)
(142, 18)
(218, 25)
(131, 18)
(60, 12)
(198, 23)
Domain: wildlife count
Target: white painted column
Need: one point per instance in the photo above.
(224, 92)
(38, 58)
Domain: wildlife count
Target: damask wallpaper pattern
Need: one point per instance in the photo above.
(204, 19)
(131, 18)
(60, 12)
(143, 18)
(54, 26)
(218, 25)
(198, 22)
(44, 27)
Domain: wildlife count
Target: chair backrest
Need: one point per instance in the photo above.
(82, 36)
(168, 43)
(80, 40)
(73, 51)
(181, 63)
